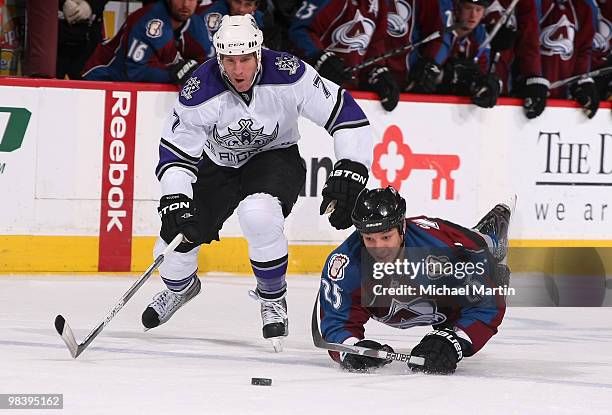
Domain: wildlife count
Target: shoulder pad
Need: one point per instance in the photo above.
(280, 68)
(205, 83)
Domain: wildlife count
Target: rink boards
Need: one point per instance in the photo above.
(77, 164)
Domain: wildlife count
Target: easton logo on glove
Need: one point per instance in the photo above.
(174, 206)
(349, 174)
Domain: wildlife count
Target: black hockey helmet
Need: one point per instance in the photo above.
(379, 210)
(484, 3)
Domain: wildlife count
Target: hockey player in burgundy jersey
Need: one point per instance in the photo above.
(160, 42)
(602, 47)
(409, 21)
(350, 293)
(567, 28)
(466, 72)
(518, 42)
(336, 35)
(229, 144)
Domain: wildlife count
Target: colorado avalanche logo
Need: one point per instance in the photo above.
(419, 312)
(244, 138)
(397, 22)
(495, 11)
(558, 39)
(601, 40)
(154, 28)
(354, 35)
(336, 266)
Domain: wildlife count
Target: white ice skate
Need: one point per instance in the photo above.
(166, 303)
(274, 318)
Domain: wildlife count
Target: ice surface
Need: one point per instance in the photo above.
(543, 360)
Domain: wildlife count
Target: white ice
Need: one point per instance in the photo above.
(542, 361)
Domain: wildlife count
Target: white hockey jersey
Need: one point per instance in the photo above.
(210, 117)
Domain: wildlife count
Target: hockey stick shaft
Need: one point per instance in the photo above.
(402, 49)
(502, 20)
(318, 341)
(576, 78)
(64, 330)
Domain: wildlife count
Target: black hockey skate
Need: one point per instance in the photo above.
(166, 303)
(495, 225)
(274, 318)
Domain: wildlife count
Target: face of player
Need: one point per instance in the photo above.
(240, 70)
(470, 15)
(182, 10)
(241, 7)
(383, 246)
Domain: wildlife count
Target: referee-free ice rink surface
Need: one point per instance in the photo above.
(542, 361)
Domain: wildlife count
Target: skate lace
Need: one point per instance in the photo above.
(165, 301)
(272, 311)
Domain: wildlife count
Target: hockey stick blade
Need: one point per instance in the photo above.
(64, 329)
(67, 335)
(318, 341)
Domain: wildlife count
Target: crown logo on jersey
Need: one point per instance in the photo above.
(245, 137)
(287, 63)
(191, 86)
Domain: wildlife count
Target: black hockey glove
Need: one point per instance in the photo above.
(382, 82)
(181, 71)
(485, 90)
(585, 92)
(535, 94)
(358, 363)
(504, 39)
(345, 182)
(330, 66)
(425, 77)
(177, 214)
(459, 75)
(440, 350)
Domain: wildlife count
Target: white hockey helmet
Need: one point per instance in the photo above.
(238, 35)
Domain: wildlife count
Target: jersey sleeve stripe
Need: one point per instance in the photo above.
(336, 110)
(178, 152)
(161, 169)
(348, 125)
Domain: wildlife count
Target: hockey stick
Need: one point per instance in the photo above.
(498, 25)
(363, 351)
(575, 78)
(402, 49)
(64, 329)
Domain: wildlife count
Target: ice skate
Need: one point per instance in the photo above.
(166, 303)
(274, 319)
(495, 225)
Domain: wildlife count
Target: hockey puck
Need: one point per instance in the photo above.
(261, 381)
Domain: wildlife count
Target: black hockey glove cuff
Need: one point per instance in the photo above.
(585, 92)
(459, 75)
(330, 66)
(359, 363)
(177, 213)
(485, 90)
(382, 82)
(181, 71)
(535, 94)
(345, 182)
(424, 77)
(439, 350)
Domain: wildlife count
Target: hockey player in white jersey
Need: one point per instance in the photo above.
(231, 144)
